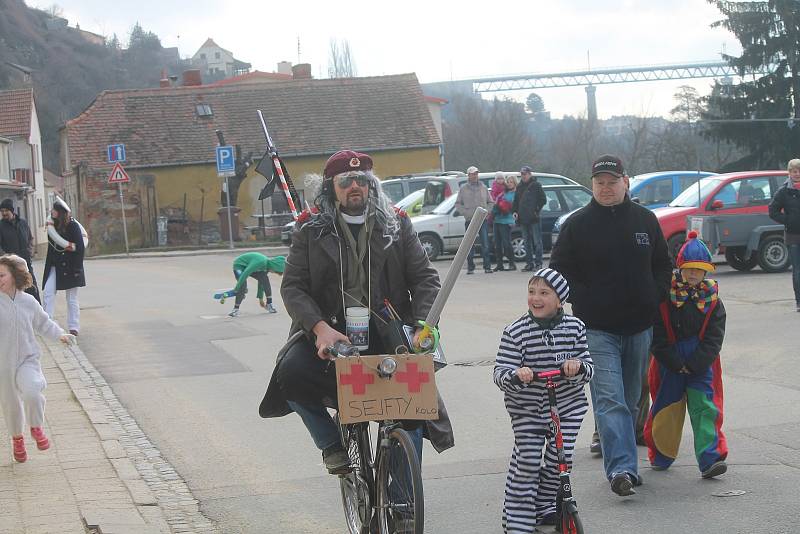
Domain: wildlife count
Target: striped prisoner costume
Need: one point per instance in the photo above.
(531, 485)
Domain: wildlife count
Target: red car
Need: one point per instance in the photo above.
(724, 194)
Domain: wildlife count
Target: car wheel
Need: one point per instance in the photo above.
(518, 246)
(674, 245)
(735, 258)
(431, 245)
(773, 255)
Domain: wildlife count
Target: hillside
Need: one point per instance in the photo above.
(67, 70)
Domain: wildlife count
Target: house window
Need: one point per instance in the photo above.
(35, 158)
(216, 55)
(202, 56)
(203, 110)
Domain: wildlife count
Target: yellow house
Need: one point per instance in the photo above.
(169, 135)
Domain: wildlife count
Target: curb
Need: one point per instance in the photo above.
(280, 250)
(161, 497)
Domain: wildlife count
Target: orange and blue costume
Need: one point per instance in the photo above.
(685, 371)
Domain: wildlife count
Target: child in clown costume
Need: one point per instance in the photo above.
(685, 372)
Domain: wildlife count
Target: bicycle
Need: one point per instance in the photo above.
(382, 492)
(568, 521)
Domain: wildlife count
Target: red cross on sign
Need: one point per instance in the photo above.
(357, 379)
(413, 378)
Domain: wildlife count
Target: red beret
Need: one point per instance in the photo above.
(345, 161)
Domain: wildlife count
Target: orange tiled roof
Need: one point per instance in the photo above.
(160, 127)
(15, 112)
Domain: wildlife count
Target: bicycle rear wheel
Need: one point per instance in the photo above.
(356, 485)
(399, 487)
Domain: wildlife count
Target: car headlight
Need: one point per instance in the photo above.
(387, 367)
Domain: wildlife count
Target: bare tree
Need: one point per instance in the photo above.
(341, 63)
(689, 105)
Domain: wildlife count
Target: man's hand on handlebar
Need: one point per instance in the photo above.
(327, 336)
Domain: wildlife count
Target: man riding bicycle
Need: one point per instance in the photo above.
(351, 250)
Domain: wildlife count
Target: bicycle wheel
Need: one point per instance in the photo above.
(570, 522)
(399, 487)
(355, 485)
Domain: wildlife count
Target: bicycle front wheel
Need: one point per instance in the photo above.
(571, 523)
(399, 487)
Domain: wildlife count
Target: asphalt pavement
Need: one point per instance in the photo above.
(191, 378)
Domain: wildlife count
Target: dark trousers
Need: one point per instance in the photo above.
(483, 236)
(261, 277)
(502, 244)
(34, 289)
(794, 256)
(532, 234)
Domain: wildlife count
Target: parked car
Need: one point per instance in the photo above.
(412, 203)
(723, 194)
(441, 231)
(398, 187)
(657, 189)
(652, 190)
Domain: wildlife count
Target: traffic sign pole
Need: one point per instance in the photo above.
(124, 221)
(228, 207)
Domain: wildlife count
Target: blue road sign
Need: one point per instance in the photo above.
(116, 153)
(226, 163)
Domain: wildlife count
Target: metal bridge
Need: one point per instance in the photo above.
(708, 69)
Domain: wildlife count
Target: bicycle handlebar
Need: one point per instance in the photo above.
(342, 348)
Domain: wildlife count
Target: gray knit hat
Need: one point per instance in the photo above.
(555, 280)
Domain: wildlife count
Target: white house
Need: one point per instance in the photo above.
(216, 63)
(21, 171)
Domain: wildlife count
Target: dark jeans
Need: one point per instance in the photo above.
(533, 243)
(261, 277)
(794, 256)
(483, 235)
(502, 243)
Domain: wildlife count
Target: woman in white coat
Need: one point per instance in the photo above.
(21, 379)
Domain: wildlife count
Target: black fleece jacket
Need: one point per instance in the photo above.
(785, 207)
(617, 265)
(687, 321)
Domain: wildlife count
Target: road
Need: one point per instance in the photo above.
(193, 377)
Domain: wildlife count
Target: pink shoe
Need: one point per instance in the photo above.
(19, 449)
(41, 440)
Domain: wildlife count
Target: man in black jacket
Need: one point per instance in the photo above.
(528, 202)
(16, 238)
(785, 209)
(614, 256)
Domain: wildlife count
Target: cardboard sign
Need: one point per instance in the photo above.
(410, 393)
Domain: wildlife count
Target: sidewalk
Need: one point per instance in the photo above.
(101, 474)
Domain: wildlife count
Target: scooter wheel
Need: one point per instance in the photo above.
(571, 523)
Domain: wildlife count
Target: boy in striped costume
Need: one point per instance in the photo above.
(543, 339)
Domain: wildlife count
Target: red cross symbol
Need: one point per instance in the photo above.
(357, 379)
(413, 378)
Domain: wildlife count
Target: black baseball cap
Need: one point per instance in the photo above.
(608, 164)
(526, 169)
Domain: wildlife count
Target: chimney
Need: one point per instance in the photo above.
(164, 81)
(301, 71)
(192, 78)
(284, 67)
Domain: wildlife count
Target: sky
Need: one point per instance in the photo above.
(444, 39)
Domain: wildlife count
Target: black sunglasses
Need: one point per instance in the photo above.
(346, 181)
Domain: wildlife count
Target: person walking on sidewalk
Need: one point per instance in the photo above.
(685, 371)
(16, 238)
(63, 267)
(785, 209)
(614, 255)
(256, 265)
(528, 202)
(471, 196)
(21, 379)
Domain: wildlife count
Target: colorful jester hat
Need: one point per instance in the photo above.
(694, 254)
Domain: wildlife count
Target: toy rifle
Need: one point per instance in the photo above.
(271, 166)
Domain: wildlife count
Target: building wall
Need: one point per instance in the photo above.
(223, 64)
(5, 161)
(37, 211)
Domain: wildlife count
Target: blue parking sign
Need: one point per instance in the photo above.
(116, 153)
(226, 162)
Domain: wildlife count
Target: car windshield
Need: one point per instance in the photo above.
(410, 199)
(690, 198)
(445, 207)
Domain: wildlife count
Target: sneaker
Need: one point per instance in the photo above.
(716, 469)
(594, 446)
(537, 266)
(512, 267)
(42, 443)
(18, 444)
(488, 270)
(658, 467)
(499, 268)
(470, 271)
(74, 333)
(234, 313)
(336, 459)
(271, 308)
(527, 268)
(622, 485)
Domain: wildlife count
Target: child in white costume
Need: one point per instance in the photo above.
(21, 378)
